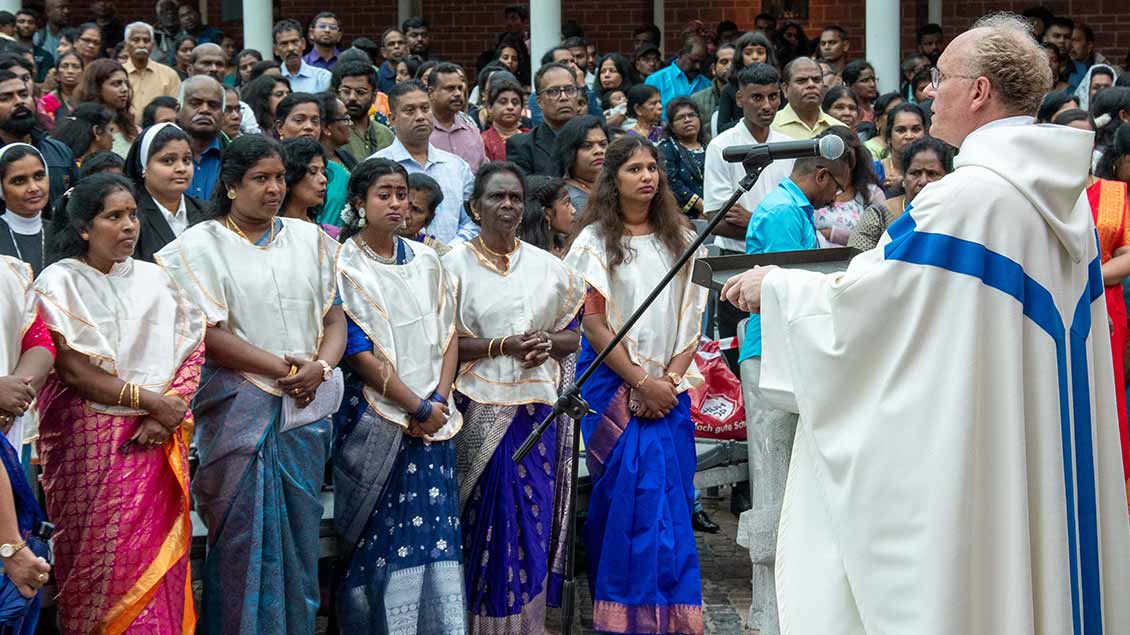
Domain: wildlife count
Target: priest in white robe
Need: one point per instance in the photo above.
(956, 466)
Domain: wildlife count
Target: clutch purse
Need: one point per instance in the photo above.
(326, 402)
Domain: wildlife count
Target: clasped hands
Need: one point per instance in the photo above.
(304, 382)
(653, 398)
(531, 348)
(161, 423)
(16, 394)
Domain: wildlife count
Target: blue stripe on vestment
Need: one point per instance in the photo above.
(1006, 275)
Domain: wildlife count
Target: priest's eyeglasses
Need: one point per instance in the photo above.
(937, 77)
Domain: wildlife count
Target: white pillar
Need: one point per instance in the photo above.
(545, 29)
(403, 11)
(934, 11)
(882, 20)
(257, 22)
(659, 16)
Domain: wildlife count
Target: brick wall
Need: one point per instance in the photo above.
(462, 29)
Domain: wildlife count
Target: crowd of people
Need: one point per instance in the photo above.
(371, 258)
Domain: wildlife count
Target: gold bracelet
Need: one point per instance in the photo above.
(122, 392)
(502, 345)
(490, 344)
(293, 370)
(136, 397)
(641, 381)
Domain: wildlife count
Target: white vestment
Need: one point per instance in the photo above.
(956, 467)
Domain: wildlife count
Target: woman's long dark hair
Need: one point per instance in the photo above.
(572, 136)
(364, 175)
(238, 158)
(297, 155)
(753, 38)
(257, 95)
(862, 165)
(623, 66)
(516, 43)
(77, 209)
(1118, 148)
(542, 193)
(77, 129)
(90, 90)
(603, 209)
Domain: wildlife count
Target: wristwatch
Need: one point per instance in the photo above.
(7, 550)
(327, 370)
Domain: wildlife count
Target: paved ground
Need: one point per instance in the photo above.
(725, 580)
(726, 575)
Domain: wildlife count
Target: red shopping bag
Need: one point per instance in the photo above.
(716, 404)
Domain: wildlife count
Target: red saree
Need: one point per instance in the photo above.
(1110, 206)
(122, 545)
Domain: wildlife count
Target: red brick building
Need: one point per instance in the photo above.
(463, 29)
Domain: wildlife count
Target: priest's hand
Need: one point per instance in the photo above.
(744, 290)
(16, 394)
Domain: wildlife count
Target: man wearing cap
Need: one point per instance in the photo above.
(647, 59)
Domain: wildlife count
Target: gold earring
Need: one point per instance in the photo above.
(85, 236)
(231, 194)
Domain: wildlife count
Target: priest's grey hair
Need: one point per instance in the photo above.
(1008, 55)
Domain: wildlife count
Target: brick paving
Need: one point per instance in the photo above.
(726, 575)
(726, 572)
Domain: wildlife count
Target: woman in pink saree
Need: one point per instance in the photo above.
(115, 424)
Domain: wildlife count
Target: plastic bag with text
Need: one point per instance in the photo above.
(716, 404)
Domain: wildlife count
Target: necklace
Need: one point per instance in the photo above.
(490, 251)
(372, 253)
(42, 247)
(235, 228)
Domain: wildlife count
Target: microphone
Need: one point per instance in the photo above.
(830, 147)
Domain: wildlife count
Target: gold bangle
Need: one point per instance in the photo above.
(503, 345)
(136, 397)
(641, 381)
(490, 345)
(122, 392)
(293, 370)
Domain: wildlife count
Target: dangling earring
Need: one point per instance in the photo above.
(231, 194)
(361, 221)
(85, 236)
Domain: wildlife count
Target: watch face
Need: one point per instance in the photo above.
(6, 551)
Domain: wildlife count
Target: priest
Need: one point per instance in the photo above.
(956, 465)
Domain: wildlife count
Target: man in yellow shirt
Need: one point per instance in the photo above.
(148, 79)
(804, 88)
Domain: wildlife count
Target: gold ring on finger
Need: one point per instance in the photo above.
(42, 578)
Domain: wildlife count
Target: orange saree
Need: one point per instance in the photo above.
(1110, 206)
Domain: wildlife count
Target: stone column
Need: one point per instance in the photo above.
(257, 22)
(545, 30)
(769, 434)
(882, 20)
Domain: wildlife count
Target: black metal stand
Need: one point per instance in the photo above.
(570, 402)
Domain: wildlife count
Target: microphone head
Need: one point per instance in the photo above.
(832, 147)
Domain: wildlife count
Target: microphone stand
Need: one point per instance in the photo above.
(570, 402)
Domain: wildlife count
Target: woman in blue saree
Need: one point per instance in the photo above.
(267, 288)
(395, 495)
(640, 546)
(517, 313)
